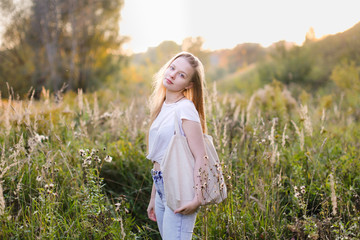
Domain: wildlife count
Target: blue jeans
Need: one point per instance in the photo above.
(171, 226)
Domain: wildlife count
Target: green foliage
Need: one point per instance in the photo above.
(52, 43)
(248, 66)
(292, 65)
(278, 173)
(245, 54)
(274, 101)
(309, 66)
(346, 76)
(50, 190)
(244, 81)
(333, 49)
(74, 167)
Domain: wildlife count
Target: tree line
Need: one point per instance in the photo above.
(314, 66)
(57, 42)
(77, 43)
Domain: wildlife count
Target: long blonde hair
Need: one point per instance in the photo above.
(195, 94)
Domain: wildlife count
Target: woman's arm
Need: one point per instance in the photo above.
(151, 206)
(194, 136)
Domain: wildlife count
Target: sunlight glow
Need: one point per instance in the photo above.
(226, 23)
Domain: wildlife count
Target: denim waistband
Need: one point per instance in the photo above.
(154, 172)
(156, 175)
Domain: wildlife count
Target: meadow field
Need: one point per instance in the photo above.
(74, 117)
(73, 166)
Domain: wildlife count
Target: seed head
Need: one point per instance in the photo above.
(108, 159)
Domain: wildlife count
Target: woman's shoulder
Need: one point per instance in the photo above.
(186, 103)
(187, 109)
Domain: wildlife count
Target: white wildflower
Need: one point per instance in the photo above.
(106, 115)
(302, 190)
(97, 159)
(82, 152)
(118, 205)
(108, 158)
(93, 151)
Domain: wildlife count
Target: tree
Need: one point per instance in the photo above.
(15, 69)
(63, 41)
(46, 27)
(346, 76)
(289, 65)
(194, 46)
(148, 63)
(245, 54)
(310, 35)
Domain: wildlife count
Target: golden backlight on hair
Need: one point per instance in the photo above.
(194, 94)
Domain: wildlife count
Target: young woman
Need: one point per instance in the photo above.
(179, 86)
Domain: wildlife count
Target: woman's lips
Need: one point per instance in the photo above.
(168, 81)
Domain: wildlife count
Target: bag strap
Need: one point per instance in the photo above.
(176, 122)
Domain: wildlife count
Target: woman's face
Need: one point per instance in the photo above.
(178, 75)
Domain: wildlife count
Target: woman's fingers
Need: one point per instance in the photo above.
(187, 209)
(184, 211)
(151, 212)
(179, 210)
(151, 215)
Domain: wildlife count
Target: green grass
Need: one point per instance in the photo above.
(291, 172)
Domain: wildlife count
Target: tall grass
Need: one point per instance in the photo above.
(73, 166)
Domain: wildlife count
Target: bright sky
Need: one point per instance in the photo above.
(226, 23)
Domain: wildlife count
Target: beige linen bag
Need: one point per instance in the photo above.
(177, 167)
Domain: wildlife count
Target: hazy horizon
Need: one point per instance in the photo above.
(150, 23)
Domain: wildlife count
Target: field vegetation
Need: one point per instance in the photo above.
(74, 120)
(74, 167)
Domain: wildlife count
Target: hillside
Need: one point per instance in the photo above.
(308, 66)
(248, 66)
(334, 48)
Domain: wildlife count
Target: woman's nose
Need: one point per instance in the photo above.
(173, 74)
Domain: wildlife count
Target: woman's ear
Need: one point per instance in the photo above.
(191, 84)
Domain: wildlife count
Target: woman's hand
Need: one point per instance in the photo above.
(151, 210)
(189, 208)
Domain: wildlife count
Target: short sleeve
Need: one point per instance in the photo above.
(187, 110)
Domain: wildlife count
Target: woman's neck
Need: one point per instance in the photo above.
(173, 97)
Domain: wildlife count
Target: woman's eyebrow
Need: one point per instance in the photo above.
(182, 71)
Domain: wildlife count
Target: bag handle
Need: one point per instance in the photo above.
(176, 122)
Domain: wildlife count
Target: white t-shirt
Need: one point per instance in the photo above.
(162, 129)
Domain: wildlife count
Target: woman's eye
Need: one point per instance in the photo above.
(172, 68)
(182, 75)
